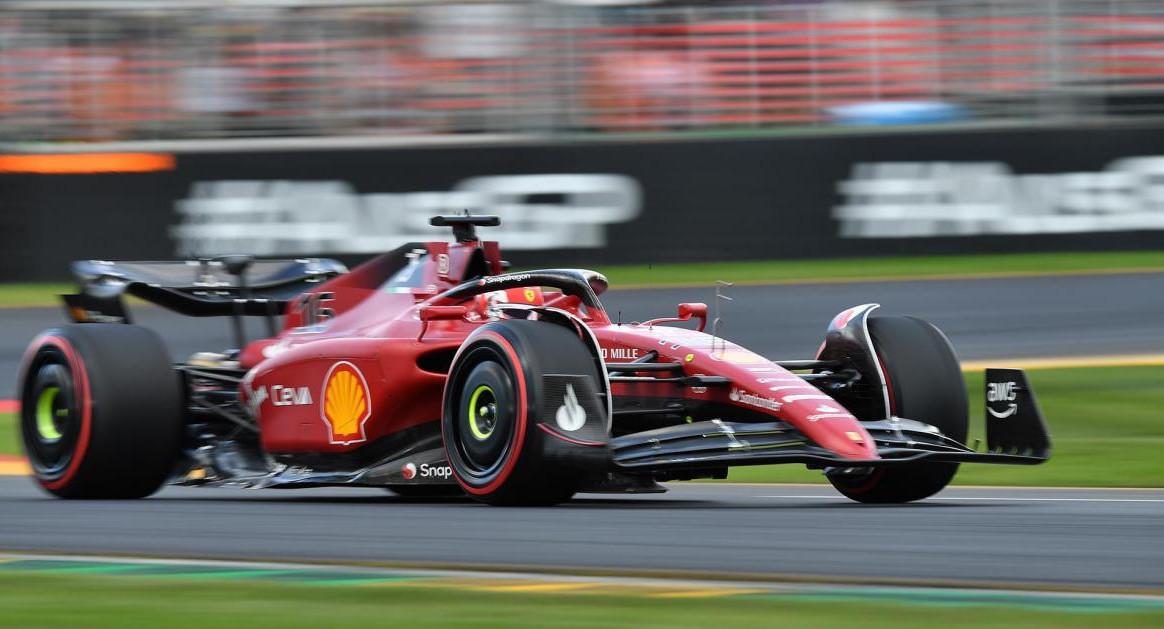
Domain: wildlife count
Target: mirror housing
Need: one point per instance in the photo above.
(438, 313)
(442, 313)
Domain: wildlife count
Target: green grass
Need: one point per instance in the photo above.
(40, 601)
(28, 295)
(1107, 425)
(878, 268)
(9, 441)
(18, 295)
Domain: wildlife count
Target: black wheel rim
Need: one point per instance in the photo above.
(50, 416)
(485, 414)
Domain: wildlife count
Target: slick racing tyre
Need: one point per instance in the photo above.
(925, 383)
(490, 417)
(101, 411)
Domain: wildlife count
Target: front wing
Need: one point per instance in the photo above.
(1015, 429)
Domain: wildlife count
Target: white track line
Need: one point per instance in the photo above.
(992, 499)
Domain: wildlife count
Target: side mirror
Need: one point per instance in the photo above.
(694, 309)
(686, 311)
(444, 313)
(439, 313)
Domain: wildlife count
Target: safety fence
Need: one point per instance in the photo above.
(124, 71)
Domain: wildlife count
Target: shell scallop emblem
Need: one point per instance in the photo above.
(346, 403)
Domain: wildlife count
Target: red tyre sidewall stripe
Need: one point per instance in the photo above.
(81, 384)
(515, 453)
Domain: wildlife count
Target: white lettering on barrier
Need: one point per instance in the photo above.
(922, 199)
(311, 217)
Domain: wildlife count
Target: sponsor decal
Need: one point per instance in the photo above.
(499, 279)
(926, 199)
(826, 411)
(290, 396)
(738, 357)
(347, 404)
(1002, 392)
(854, 436)
(689, 357)
(750, 399)
(530, 295)
(411, 471)
(570, 416)
(82, 315)
(788, 399)
(620, 353)
(255, 398)
(820, 416)
(281, 217)
(443, 264)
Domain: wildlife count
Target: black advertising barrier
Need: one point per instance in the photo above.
(644, 202)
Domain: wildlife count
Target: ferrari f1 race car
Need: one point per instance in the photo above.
(431, 370)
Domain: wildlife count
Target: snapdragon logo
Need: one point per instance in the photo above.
(923, 199)
(424, 470)
(311, 217)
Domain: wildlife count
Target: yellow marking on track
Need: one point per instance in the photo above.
(706, 593)
(1067, 362)
(14, 468)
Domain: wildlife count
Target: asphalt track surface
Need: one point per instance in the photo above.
(1022, 317)
(1067, 538)
(1064, 538)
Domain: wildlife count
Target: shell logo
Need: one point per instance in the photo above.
(347, 405)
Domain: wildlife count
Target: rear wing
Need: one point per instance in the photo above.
(227, 286)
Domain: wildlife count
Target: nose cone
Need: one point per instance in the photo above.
(821, 418)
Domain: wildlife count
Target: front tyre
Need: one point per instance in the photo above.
(925, 383)
(101, 411)
(492, 398)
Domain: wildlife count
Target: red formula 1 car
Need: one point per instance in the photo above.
(429, 370)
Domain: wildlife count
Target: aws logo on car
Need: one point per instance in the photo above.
(411, 471)
(347, 405)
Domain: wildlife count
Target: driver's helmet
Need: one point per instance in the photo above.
(489, 303)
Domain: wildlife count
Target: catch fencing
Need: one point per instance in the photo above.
(126, 71)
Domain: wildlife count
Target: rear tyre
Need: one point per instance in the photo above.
(491, 402)
(101, 411)
(925, 383)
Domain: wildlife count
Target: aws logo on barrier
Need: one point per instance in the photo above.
(313, 217)
(347, 404)
(925, 199)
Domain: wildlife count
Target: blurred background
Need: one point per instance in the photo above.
(605, 132)
(93, 71)
(993, 166)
